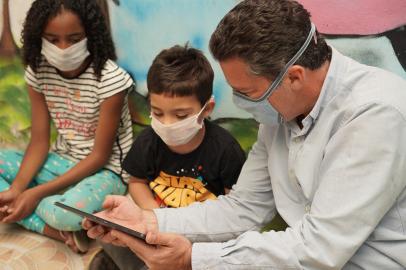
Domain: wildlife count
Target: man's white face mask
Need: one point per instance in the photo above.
(180, 132)
(65, 59)
(260, 107)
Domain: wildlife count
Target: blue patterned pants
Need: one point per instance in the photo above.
(87, 195)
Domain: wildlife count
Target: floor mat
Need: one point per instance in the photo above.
(24, 250)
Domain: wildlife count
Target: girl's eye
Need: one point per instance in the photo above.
(74, 41)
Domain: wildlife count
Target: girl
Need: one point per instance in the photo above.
(72, 81)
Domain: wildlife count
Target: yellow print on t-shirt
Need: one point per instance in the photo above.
(179, 191)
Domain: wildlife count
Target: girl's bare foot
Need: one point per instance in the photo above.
(77, 241)
(67, 237)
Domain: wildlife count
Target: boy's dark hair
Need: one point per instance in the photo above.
(100, 43)
(181, 71)
(266, 34)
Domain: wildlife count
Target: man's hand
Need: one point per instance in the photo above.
(21, 206)
(123, 211)
(164, 251)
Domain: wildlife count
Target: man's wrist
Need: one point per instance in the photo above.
(150, 220)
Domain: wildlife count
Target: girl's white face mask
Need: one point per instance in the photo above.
(180, 132)
(65, 59)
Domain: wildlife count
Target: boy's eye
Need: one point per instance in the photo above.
(182, 116)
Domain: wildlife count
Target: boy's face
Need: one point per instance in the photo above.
(171, 109)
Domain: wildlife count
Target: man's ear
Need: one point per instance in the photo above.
(296, 77)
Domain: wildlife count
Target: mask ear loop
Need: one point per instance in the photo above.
(204, 107)
(315, 37)
(282, 73)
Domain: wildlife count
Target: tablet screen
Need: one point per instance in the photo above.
(102, 221)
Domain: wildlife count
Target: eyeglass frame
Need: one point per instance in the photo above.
(272, 87)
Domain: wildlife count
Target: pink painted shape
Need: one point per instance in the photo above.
(80, 205)
(356, 17)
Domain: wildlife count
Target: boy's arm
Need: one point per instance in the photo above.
(141, 193)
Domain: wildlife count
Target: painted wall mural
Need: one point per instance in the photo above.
(370, 31)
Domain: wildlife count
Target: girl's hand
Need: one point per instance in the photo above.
(22, 206)
(7, 198)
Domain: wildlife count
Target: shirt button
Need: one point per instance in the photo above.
(307, 208)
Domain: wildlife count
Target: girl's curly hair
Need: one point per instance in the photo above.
(100, 43)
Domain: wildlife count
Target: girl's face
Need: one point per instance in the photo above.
(64, 30)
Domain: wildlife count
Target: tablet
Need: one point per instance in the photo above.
(102, 221)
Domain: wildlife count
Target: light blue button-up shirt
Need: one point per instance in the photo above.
(339, 183)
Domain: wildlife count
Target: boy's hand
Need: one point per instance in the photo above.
(123, 211)
(22, 206)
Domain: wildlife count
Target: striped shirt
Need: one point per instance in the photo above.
(74, 106)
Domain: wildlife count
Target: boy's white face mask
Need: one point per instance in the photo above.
(180, 132)
(65, 59)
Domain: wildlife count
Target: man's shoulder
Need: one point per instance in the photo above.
(382, 88)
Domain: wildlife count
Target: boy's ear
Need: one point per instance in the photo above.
(209, 108)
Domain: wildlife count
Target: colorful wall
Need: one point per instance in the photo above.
(371, 31)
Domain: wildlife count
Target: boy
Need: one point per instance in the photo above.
(182, 157)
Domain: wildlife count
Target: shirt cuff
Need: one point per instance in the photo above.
(160, 214)
(206, 255)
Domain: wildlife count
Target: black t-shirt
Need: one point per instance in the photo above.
(180, 179)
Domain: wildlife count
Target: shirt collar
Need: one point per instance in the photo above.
(329, 89)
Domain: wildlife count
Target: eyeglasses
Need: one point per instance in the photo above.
(282, 73)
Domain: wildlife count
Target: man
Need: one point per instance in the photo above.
(330, 158)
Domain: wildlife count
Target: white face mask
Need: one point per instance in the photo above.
(65, 59)
(180, 132)
(260, 108)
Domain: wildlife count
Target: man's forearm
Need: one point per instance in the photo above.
(199, 221)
